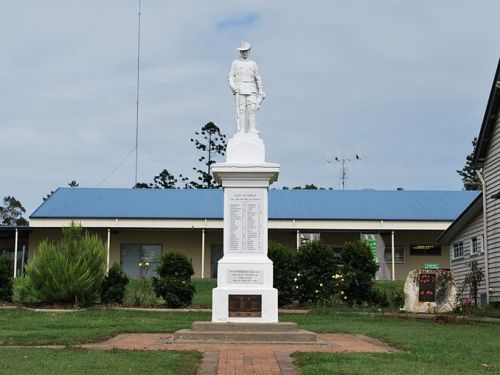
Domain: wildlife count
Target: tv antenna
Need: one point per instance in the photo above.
(344, 171)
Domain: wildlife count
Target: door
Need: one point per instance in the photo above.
(217, 254)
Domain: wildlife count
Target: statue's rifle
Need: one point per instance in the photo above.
(238, 124)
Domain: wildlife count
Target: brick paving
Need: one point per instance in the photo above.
(238, 359)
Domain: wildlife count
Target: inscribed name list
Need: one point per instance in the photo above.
(245, 220)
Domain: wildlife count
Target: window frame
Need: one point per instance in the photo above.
(458, 245)
(388, 251)
(426, 252)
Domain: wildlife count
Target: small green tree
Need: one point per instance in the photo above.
(284, 270)
(113, 286)
(359, 269)
(473, 280)
(173, 283)
(70, 270)
(5, 280)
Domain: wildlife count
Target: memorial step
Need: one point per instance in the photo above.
(294, 337)
(244, 327)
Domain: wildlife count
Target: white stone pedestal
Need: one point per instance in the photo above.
(245, 290)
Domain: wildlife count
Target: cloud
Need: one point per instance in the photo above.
(238, 22)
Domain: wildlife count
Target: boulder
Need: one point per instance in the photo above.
(430, 291)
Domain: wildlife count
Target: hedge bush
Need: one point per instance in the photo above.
(5, 280)
(315, 280)
(173, 283)
(113, 286)
(70, 270)
(284, 270)
(359, 270)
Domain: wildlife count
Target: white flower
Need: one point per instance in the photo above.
(295, 279)
(147, 264)
(341, 292)
(320, 284)
(297, 287)
(317, 291)
(298, 274)
(345, 297)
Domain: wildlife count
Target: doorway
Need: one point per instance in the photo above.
(217, 253)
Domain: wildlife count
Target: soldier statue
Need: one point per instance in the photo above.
(246, 84)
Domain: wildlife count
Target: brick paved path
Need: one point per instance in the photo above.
(238, 359)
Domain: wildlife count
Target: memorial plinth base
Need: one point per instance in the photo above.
(267, 333)
(245, 292)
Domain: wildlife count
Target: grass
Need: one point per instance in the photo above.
(202, 297)
(79, 361)
(22, 327)
(427, 347)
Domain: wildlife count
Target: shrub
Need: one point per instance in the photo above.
(315, 281)
(70, 270)
(113, 285)
(173, 283)
(5, 280)
(284, 271)
(359, 270)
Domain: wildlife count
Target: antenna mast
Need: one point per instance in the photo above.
(343, 172)
(138, 81)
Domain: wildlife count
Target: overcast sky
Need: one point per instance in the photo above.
(403, 84)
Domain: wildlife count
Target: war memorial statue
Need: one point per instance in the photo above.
(246, 84)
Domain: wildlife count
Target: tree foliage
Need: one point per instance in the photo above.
(113, 286)
(317, 265)
(164, 180)
(212, 143)
(5, 280)
(70, 270)
(11, 213)
(468, 173)
(173, 283)
(359, 269)
(306, 187)
(284, 270)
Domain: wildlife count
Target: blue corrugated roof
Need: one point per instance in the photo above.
(283, 204)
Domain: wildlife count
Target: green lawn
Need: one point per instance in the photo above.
(79, 361)
(427, 347)
(22, 327)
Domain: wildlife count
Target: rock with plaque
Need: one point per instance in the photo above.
(430, 291)
(245, 290)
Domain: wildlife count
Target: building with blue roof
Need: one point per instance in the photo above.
(144, 223)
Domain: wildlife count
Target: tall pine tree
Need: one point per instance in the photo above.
(468, 173)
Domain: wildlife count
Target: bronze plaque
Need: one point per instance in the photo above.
(427, 287)
(245, 305)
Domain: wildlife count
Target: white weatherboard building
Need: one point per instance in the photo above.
(475, 235)
(144, 223)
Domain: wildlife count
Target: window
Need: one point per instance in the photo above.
(132, 254)
(475, 246)
(458, 250)
(308, 237)
(399, 255)
(425, 250)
